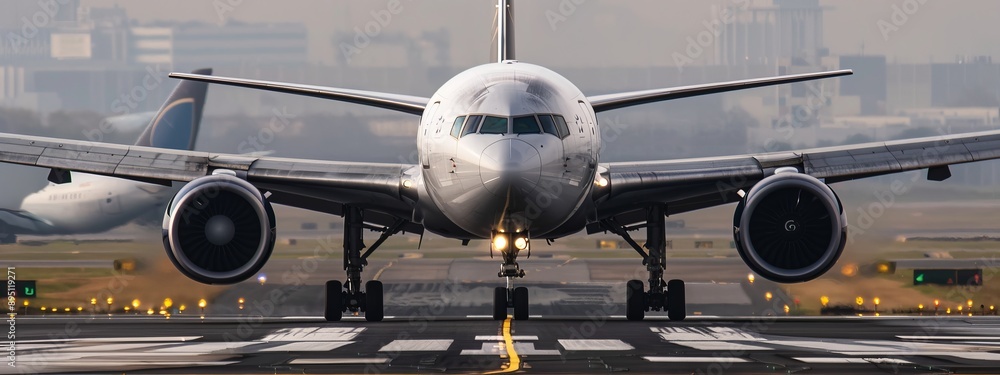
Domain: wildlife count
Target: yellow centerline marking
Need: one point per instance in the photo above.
(515, 360)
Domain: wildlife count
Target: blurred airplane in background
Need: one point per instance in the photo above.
(91, 203)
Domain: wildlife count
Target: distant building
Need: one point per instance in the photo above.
(187, 46)
(784, 30)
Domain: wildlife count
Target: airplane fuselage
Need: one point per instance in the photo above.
(506, 147)
(93, 204)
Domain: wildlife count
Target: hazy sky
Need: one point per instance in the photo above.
(602, 32)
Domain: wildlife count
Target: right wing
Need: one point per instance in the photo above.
(413, 105)
(627, 99)
(692, 184)
(310, 184)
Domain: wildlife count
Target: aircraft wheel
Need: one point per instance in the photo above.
(521, 303)
(676, 309)
(373, 301)
(334, 301)
(635, 300)
(499, 303)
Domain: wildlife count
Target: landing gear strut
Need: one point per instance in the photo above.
(509, 296)
(344, 297)
(660, 296)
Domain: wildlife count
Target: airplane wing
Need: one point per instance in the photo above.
(303, 183)
(691, 184)
(413, 105)
(21, 222)
(627, 99)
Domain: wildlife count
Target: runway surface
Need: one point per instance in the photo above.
(437, 320)
(474, 345)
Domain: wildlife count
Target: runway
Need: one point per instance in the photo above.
(475, 345)
(437, 320)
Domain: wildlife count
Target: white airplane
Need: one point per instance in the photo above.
(509, 152)
(93, 203)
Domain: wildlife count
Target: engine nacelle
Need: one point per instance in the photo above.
(790, 227)
(219, 229)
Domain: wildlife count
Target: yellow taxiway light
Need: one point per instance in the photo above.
(859, 301)
(93, 301)
(167, 302)
(920, 306)
(959, 308)
(202, 303)
(824, 300)
(150, 311)
(182, 308)
(969, 303)
(135, 303)
(127, 309)
(750, 278)
(768, 296)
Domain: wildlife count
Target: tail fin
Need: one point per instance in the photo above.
(176, 124)
(504, 47)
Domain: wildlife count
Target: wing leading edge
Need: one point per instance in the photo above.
(608, 102)
(413, 105)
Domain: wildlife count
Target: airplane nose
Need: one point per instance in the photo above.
(510, 164)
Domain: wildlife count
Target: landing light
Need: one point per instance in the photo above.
(521, 243)
(500, 242)
(602, 182)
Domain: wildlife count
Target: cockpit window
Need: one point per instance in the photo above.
(561, 126)
(471, 125)
(494, 125)
(456, 129)
(526, 125)
(548, 125)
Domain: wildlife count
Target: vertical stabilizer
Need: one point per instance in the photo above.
(176, 124)
(505, 30)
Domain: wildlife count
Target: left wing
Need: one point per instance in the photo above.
(691, 184)
(310, 184)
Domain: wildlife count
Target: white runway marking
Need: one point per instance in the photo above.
(594, 345)
(314, 334)
(307, 346)
(110, 347)
(695, 359)
(339, 361)
(116, 339)
(500, 338)
(704, 334)
(498, 349)
(417, 346)
(719, 345)
(204, 347)
(830, 360)
(948, 337)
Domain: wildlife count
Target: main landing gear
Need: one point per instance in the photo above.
(660, 296)
(344, 297)
(509, 246)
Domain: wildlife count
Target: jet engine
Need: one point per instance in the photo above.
(790, 227)
(219, 229)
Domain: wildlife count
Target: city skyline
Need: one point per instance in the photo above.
(595, 32)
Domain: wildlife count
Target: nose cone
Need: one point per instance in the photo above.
(510, 166)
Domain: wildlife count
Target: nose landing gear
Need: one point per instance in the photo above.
(510, 296)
